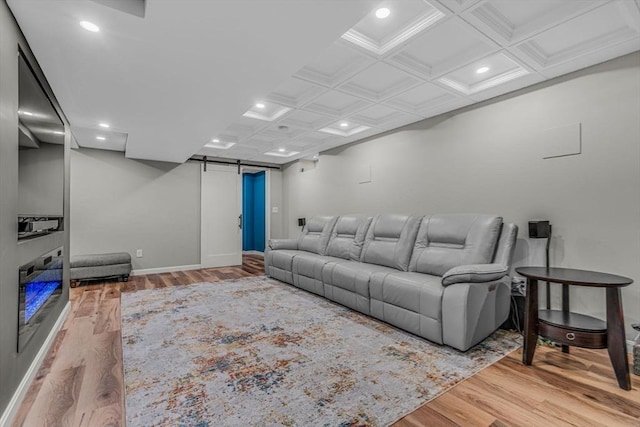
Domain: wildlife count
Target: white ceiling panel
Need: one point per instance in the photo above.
(595, 57)
(334, 103)
(606, 26)
(316, 137)
(259, 143)
(458, 5)
(379, 82)
(243, 128)
(306, 120)
(336, 64)
(295, 93)
(427, 56)
(281, 133)
(422, 98)
(303, 145)
(381, 116)
(508, 22)
(248, 153)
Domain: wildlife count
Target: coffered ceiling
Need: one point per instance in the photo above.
(277, 80)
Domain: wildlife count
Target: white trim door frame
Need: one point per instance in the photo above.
(267, 197)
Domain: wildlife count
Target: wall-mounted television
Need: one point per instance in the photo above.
(40, 160)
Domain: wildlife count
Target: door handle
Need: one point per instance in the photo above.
(240, 221)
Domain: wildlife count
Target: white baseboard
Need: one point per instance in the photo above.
(165, 269)
(253, 253)
(23, 387)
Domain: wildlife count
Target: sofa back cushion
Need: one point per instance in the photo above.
(449, 240)
(347, 238)
(390, 240)
(316, 233)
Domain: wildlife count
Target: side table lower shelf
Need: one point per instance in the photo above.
(572, 329)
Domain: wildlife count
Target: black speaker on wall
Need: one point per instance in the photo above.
(539, 229)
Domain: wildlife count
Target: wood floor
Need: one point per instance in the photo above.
(81, 380)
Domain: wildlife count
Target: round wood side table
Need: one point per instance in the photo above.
(573, 329)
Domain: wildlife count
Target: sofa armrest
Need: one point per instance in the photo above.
(472, 311)
(283, 244)
(474, 273)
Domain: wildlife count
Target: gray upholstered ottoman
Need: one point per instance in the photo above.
(100, 266)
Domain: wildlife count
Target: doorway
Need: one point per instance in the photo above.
(254, 223)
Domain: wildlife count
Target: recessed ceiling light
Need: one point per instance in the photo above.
(100, 138)
(281, 154)
(274, 112)
(348, 130)
(89, 26)
(282, 150)
(220, 145)
(26, 113)
(344, 124)
(383, 12)
(104, 125)
(482, 70)
(215, 140)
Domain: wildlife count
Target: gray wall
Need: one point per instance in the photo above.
(41, 180)
(277, 229)
(14, 365)
(488, 158)
(120, 204)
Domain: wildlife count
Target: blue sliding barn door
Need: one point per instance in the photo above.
(253, 211)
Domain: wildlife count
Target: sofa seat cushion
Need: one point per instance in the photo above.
(307, 271)
(311, 265)
(283, 259)
(279, 264)
(347, 282)
(411, 301)
(352, 275)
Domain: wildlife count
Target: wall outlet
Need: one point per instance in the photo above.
(274, 209)
(139, 253)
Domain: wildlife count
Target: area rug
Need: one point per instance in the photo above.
(259, 352)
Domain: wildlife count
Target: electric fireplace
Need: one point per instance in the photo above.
(40, 288)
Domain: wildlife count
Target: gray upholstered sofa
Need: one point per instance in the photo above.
(442, 277)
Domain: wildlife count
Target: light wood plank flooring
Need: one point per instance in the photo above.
(81, 381)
